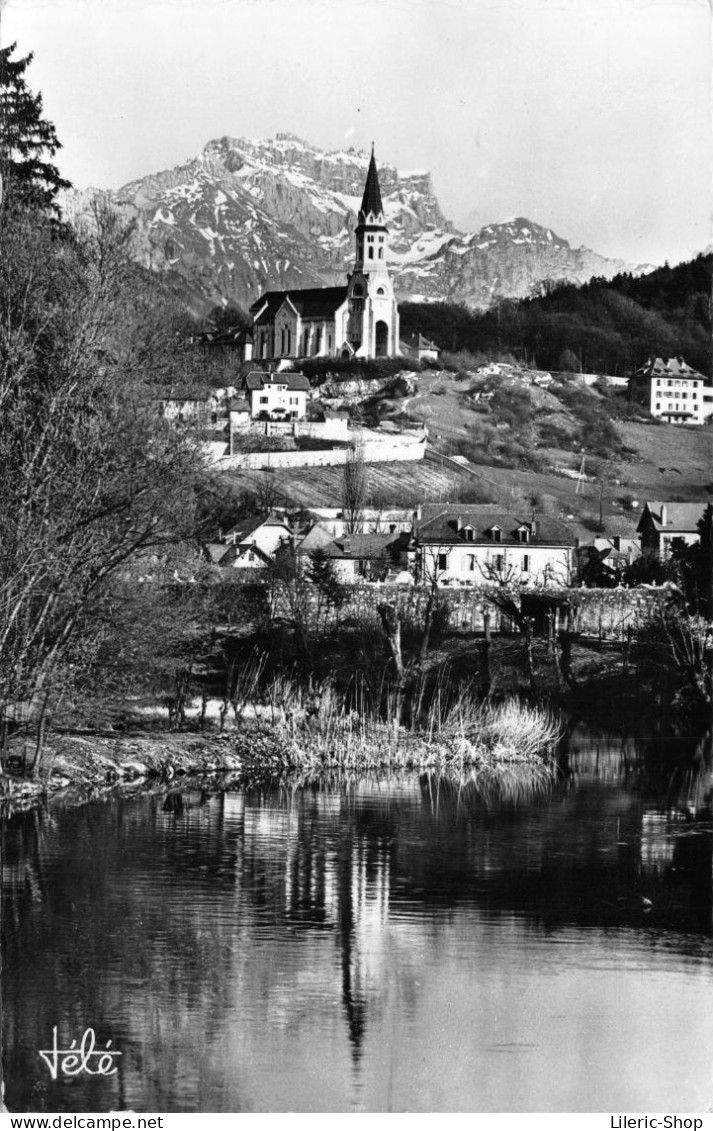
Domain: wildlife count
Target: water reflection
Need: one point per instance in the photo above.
(402, 943)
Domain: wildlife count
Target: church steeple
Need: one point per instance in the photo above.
(371, 227)
(371, 327)
(371, 201)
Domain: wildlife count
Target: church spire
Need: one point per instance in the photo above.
(371, 201)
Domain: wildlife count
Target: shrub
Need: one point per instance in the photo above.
(320, 369)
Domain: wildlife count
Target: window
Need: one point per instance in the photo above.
(496, 534)
(469, 562)
(371, 253)
(380, 291)
(469, 533)
(525, 563)
(381, 253)
(443, 561)
(497, 561)
(251, 556)
(357, 289)
(523, 534)
(381, 239)
(264, 400)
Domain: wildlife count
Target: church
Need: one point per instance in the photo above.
(359, 320)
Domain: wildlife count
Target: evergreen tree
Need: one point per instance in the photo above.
(27, 140)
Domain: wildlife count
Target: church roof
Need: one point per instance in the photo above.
(371, 201)
(312, 302)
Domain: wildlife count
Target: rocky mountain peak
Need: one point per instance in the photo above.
(250, 214)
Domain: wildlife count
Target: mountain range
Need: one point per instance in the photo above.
(247, 215)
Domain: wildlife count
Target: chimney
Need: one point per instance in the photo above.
(664, 514)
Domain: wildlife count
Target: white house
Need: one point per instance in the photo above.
(671, 390)
(480, 545)
(276, 396)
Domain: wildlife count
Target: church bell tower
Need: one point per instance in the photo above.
(373, 321)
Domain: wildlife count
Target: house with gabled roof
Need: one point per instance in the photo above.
(257, 540)
(671, 390)
(359, 319)
(480, 545)
(276, 396)
(663, 524)
(417, 347)
(369, 557)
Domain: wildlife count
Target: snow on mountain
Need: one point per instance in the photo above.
(250, 214)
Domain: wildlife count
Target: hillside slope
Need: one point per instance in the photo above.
(603, 326)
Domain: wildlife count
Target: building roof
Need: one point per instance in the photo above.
(216, 551)
(371, 201)
(673, 367)
(448, 528)
(236, 337)
(419, 342)
(366, 546)
(294, 382)
(311, 302)
(667, 517)
(243, 530)
(316, 538)
(617, 549)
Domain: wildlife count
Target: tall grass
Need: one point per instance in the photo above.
(317, 726)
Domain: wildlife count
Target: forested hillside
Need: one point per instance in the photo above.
(601, 327)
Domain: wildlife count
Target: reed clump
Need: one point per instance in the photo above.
(311, 727)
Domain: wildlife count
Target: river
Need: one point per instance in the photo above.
(387, 944)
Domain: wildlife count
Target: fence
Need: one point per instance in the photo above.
(607, 614)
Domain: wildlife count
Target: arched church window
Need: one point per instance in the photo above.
(358, 289)
(380, 291)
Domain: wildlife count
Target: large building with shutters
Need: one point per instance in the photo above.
(358, 320)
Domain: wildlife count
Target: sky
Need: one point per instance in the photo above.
(592, 117)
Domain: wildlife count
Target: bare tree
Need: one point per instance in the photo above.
(355, 489)
(90, 474)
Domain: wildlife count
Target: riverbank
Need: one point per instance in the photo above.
(278, 734)
(487, 738)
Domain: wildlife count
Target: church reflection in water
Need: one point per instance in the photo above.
(357, 919)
